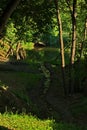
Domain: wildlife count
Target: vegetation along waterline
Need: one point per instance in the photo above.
(43, 65)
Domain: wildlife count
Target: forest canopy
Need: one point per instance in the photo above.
(31, 20)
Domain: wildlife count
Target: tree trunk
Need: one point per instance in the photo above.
(85, 37)
(61, 43)
(73, 33)
(7, 13)
(85, 34)
(73, 48)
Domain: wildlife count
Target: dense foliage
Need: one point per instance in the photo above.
(33, 21)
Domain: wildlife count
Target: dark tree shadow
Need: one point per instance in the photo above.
(4, 128)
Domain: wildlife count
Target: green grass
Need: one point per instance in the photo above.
(25, 122)
(43, 55)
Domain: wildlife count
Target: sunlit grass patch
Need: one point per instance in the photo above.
(24, 122)
(29, 122)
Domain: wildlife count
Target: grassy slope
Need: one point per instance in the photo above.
(19, 83)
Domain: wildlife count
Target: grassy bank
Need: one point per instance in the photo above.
(25, 122)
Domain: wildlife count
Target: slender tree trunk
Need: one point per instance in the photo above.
(73, 48)
(73, 33)
(85, 37)
(61, 43)
(7, 13)
(86, 1)
(85, 34)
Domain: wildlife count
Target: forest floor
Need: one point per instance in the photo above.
(18, 94)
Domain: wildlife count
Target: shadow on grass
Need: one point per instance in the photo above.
(3, 128)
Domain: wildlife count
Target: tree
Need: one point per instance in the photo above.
(85, 37)
(7, 13)
(73, 47)
(83, 42)
(73, 32)
(73, 14)
(61, 42)
(73, 18)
